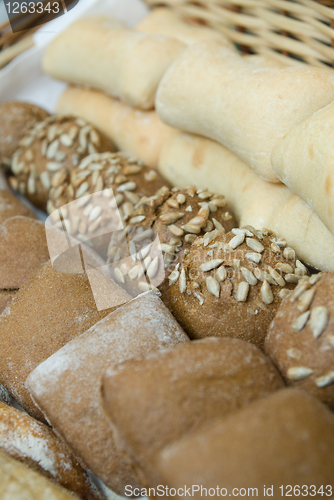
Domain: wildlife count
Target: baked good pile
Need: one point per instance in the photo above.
(172, 322)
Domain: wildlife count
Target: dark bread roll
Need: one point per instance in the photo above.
(49, 151)
(300, 339)
(230, 285)
(286, 439)
(16, 118)
(158, 398)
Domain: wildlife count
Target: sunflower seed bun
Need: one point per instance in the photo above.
(300, 340)
(230, 285)
(160, 397)
(16, 118)
(49, 151)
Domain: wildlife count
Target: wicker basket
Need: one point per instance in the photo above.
(283, 29)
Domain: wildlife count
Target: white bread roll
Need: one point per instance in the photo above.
(163, 21)
(304, 161)
(190, 159)
(127, 64)
(140, 133)
(211, 91)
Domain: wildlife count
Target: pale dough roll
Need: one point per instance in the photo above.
(304, 159)
(140, 133)
(211, 91)
(164, 21)
(122, 62)
(192, 159)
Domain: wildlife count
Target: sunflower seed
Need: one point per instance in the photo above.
(331, 340)
(254, 256)
(31, 185)
(249, 276)
(266, 293)
(83, 136)
(52, 133)
(29, 155)
(190, 238)
(173, 277)
(276, 276)
(299, 373)
(58, 178)
(301, 321)
(183, 281)
(284, 292)
(181, 198)
(305, 300)
(170, 218)
(315, 278)
(242, 230)
(325, 380)
(150, 176)
(294, 353)
(208, 237)
(189, 228)
(275, 248)
(66, 140)
(210, 264)
(94, 137)
(242, 292)
(301, 267)
(319, 319)
(127, 186)
(133, 273)
(52, 149)
(17, 167)
(53, 166)
(218, 202)
(173, 203)
(291, 278)
(45, 180)
(254, 245)
(153, 268)
(237, 240)
(177, 231)
(189, 208)
(142, 236)
(262, 275)
(299, 290)
(137, 219)
(119, 275)
(95, 213)
(284, 267)
(82, 190)
(205, 195)
(213, 286)
(289, 253)
(144, 287)
(221, 273)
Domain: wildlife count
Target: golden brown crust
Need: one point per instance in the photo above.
(230, 285)
(6, 296)
(160, 397)
(35, 445)
(300, 340)
(49, 151)
(16, 118)
(47, 312)
(284, 439)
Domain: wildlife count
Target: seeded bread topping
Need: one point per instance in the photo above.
(48, 152)
(232, 284)
(300, 340)
(16, 118)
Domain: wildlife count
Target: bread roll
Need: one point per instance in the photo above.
(163, 21)
(303, 160)
(188, 158)
(35, 445)
(139, 133)
(68, 383)
(300, 340)
(51, 309)
(211, 91)
(20, 483)
(10, 205)
(286, 439)
(122, 62)
(157, 399)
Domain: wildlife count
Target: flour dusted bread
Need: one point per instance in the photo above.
(129, 65)
(157, 399)
(48, 311)
(35, 445)
(231, 285)
(49, 152)
(16, 118)
(18, 482)
(212, 91)
(23, 249)
(164, 21)
(68, 383)
(193, 159)
(300, 340)
(303, 160)
(139, 133)
(284, 439)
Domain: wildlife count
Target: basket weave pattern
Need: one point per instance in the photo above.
(283, 29)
